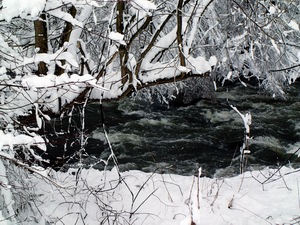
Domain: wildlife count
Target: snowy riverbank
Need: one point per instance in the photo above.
(94, 197)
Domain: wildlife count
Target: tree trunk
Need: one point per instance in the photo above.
(123, 53)
(179, 33)
(65, 37)
(41, 41)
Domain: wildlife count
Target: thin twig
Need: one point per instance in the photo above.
(282, 165)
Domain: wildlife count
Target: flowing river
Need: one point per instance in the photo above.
(209, 134)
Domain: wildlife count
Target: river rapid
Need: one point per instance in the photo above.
(168, 139)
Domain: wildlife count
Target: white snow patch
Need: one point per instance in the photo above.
(143, 5)
(2, 70)
(213, 60)
(294, 25)
(48, 57)
(65, 16)
(247, 118)
(15, 8)
(117, 37)
(275, 46)
(257, 197)
(272, 10)
(10, 140)
(183, 69)
(34, 82)
(199, 65)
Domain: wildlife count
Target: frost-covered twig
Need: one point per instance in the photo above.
(134, 197)
(247, 120)
(268, 179)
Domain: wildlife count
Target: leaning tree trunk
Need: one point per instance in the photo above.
(65, 37)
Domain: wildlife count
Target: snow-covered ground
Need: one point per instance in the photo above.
(134, 197)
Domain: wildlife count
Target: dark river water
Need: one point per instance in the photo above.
(166, 139)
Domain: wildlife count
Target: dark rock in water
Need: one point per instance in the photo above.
(194, 89)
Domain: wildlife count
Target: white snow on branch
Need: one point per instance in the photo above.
(143, 5)
(48, 57)
(275, 46)
(272, 10)
(247, 118)
(23, 8)
(76, 33)
(115, 36)
(293, 25)
(213, 60)
(10, 140)
(183, 69)
(65, 16)
(11, 53)
(199, 65)
(52, 81)
(48, 89)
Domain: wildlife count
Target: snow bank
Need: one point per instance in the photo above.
(98, 197)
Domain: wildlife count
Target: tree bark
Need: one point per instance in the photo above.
(65, 37)
(123, 53)
(41, 41)
(179, 33)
